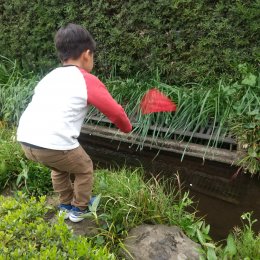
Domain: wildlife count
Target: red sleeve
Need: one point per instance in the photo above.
(99, 97)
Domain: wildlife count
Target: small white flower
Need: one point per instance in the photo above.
(245, 146)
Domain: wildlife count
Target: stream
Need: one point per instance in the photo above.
(219, 196)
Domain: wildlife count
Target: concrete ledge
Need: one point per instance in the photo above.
(195, 150)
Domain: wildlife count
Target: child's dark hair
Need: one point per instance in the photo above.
(71, 40)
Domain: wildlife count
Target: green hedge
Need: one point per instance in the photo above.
(181, 40)
(25, 234)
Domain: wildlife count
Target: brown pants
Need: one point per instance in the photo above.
(63, 164)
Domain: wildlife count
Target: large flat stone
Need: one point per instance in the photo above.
(160, 242)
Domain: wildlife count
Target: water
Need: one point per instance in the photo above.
(220, 199)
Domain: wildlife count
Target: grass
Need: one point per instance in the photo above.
(242, 243)
(16, 89)
(127, 200)
(223, 109)
(197, 106)
(127, 197)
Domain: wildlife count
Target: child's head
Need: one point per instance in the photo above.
(72, 41)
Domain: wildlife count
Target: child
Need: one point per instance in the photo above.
(50, 125)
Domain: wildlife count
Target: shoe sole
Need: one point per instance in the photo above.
(75, 220)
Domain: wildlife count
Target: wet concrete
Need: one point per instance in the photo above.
(220, 198)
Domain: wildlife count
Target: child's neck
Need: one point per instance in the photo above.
(72, 62)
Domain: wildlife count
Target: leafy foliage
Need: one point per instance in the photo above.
(245, 121)
(24, 234)
(242, 243)
(229, 108)
(225, 109)
(16, 171)
(183, 40)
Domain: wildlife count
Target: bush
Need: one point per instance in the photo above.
(19, 173)
(24, 234)
(181, 40)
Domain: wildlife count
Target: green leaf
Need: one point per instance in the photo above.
(211, 255)
(210, 245)
(252, 152)
(231, 246)
(200, 237)
(206, 229)
(249, 80)
(95, 204)
(254, 112)
(257, 117)
(18, 179)
(100, 240)
(250, 125)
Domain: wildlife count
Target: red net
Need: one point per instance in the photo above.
(155, 101)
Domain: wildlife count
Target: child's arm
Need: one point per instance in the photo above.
(99, 97)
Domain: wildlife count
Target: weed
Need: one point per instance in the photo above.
(128, 201)
(242, 243)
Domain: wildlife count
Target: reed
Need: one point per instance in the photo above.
(16, 89)
(216, 109)
(222, 110)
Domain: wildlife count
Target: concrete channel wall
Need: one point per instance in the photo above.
(194, 150)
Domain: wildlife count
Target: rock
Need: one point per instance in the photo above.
(160, 242)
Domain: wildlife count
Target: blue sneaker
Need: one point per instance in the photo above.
(64, 210)
(77, 215)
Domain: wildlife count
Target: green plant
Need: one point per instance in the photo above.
(185, 41)
(127, 201)
(93, 210)
(16, 89)
(224, 109)
(242, 243)
(245, 121)
(24, 234)
(16, 171)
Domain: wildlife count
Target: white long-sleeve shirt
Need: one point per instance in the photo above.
(54, 117)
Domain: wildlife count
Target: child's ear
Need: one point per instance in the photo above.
(87, 54)
(84, 55)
